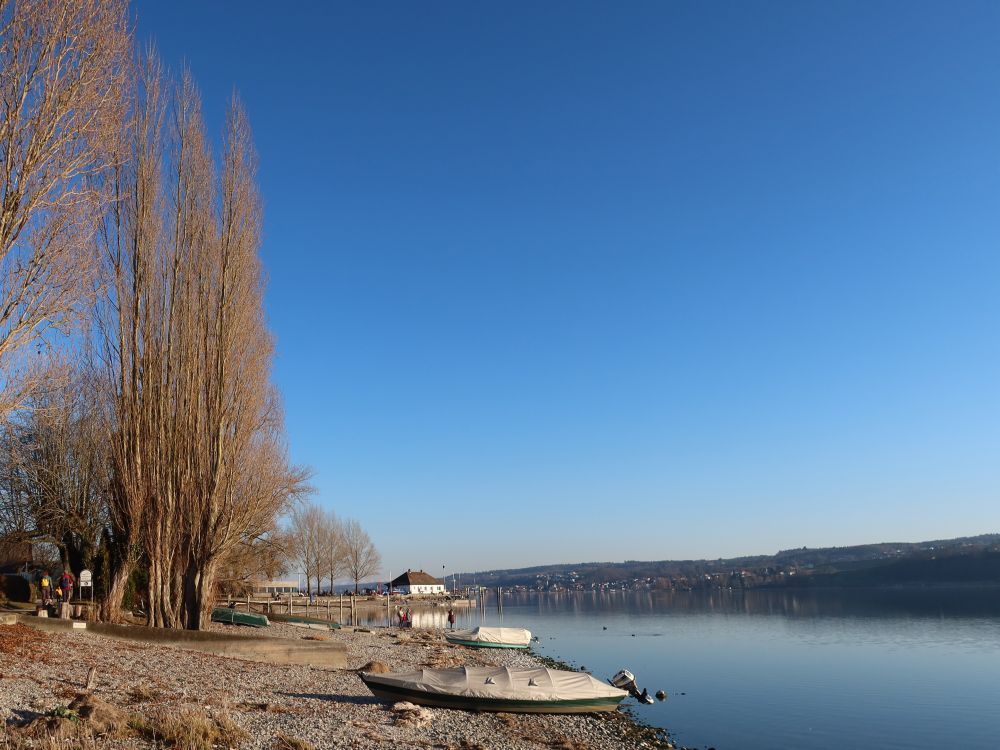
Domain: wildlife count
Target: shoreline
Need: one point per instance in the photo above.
(322, 707)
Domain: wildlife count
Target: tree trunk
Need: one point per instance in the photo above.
(191, 614)
(199, 586)
(111, 607)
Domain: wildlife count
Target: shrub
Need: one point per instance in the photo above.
(16, 588)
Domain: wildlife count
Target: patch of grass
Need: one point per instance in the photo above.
(287, 742)
(143, 694)
(190, 729)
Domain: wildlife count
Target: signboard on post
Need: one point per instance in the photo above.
(87, 580)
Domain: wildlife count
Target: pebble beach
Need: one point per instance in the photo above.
(262, 705)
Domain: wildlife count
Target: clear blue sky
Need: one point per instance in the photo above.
(569, 281)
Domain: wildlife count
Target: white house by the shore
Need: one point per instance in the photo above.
(417, 582)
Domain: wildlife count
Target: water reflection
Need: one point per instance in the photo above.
(806, 603)
(422, 616)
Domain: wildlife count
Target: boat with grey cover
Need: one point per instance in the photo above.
(487, 637)
(537, 690)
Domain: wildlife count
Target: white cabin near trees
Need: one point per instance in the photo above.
(417, 582)
(276, 587)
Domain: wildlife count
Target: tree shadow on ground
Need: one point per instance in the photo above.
(22, 717)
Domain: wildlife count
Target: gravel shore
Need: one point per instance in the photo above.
(40, 672)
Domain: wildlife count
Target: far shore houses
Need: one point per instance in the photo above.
(417, 582)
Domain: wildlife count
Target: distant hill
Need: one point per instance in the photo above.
(964, 560)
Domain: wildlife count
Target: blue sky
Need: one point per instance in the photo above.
(570, 281)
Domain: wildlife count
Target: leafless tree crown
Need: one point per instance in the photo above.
(63, 68)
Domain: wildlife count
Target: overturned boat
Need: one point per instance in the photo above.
(231, 616)
(484, 637)
(536, 690)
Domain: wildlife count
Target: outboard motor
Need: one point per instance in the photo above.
(625, 680)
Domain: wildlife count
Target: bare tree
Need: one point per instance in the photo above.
(362, 558)
(262, 558)
(17, 524)
(333, 551)
(130, 239)
(63, 64)
(61, 462)
(200, 468)
(307, 540)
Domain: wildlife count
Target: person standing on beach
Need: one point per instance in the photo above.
(46, 584)
(451, 619)
(66, 584)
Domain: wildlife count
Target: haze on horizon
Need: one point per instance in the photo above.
(578, 281)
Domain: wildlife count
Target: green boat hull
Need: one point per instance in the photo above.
(234, 617)
(480, 644)
(393, 694)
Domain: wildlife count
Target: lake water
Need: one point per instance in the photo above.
(807, 670)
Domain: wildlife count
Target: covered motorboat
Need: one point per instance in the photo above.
(484, 637)
(536, 690)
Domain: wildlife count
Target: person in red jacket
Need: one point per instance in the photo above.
(66, 583)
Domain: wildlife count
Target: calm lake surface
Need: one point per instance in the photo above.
(806, 670)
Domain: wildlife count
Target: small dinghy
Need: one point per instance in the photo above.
(233, 617)
(537, 690)
(483, 637)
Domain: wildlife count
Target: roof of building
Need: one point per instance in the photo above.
(416, 578)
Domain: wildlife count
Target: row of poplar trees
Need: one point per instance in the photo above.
(134, 353)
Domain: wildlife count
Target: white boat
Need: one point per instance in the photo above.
(537, 690)
(485, 637)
